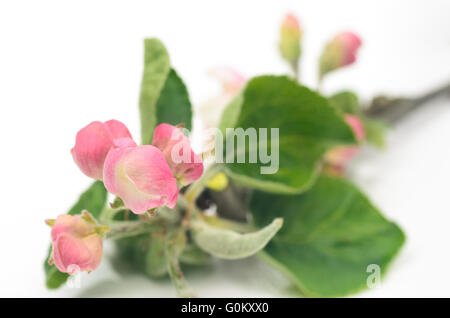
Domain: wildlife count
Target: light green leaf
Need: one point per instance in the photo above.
(155, 258)
(156, 71)
(332, 234)
(308, 127)
(93, 200)
(347, 102)
(164, 97)
(231, 113)
(193, 255)
(228, 244)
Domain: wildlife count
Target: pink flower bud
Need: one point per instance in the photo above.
(186, 166)
(356, 125)
(290, 37)
(339, 156)
(93, 143)
(141, 177)
(77, 243)
(339, 52)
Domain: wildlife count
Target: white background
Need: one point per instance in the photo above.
(64, 64)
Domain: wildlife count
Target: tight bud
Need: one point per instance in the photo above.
(290, 37)
(339, 52)
(76, 243)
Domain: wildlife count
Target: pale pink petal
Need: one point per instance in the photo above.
(117, 129)
(70, 253)
(290, 22)
(94, 244)
(356, 125)
(73, 225)
(185, 165)
(141, 177)
(231, 80)
(93, 143)
(91, 147)
(349, 43)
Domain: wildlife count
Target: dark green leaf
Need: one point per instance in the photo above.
(332, 233)
(93, 200)
(145, 253)
(164, 97)
(308, 127)
(173, 106)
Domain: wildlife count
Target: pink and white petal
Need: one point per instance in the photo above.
(70, 254)
(118, 129)
(141, 177)
(357, 126)
(190, 171)
(165, 135)
(74, 225)
(91, 147)
(231, 80)
(94, 244)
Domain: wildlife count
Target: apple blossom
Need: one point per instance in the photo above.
(76, 243)
(93, 143)
(186, 166)
(141, 177)
(232, 82)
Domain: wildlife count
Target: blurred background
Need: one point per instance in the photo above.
(65, 64)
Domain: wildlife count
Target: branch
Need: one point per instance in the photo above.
(391, 110)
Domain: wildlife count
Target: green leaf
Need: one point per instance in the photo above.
(308, 127)
(228, 244)
(173, 106)
(164, 97)
(375, 131)
(155, 258)
(156, 71)
(145, 252)
(93, 200)
(332, 234)
(231, 113)
(347, 102)
(193, 255)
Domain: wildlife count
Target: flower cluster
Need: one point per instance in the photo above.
(144, 177)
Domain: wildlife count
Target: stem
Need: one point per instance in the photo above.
(176, 243)
(130, 228)
(319, 83)
(295, 70)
